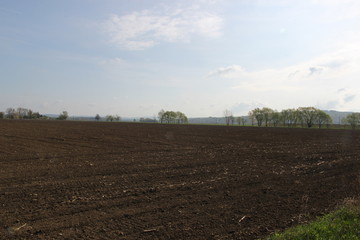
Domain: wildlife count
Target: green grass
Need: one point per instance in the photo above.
(343, 224)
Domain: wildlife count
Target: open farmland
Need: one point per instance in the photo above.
(72, 180)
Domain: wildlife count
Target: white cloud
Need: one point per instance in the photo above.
(244, 107)
(323, 81)
(341, 99)
(316, 70)
(144, 29)
(334, 65)
(227, 72)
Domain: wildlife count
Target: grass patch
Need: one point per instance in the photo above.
(343, 224)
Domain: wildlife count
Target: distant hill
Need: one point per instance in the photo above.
(337, 116)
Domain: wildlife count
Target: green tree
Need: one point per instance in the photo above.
(267, 115)
(290, 117)
(285, 117)
(172, 117)
(110, 118)
(294, 117)
(323, 118)
(181, 118)
(251, 115)
(63, 116)
(161, 115)
(353, 120)
(275, 118)
(37, 115)
(97, 117)
(309, 115)
(258, 115)
(166, 117)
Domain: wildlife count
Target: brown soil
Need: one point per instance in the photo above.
(88, 180)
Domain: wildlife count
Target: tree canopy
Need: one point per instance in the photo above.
(308, 116)
(172, 117)
(63, 116)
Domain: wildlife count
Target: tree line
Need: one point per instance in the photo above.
(25, 113)
(292, 117)
(21, 113)
(352, 119)
(304, 116)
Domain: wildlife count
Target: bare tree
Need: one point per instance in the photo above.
(22, 112)
(228, 116)
(117, 118)
(251, 115)
(241, 120)
(285, 117)
(10, 113)
(30, 114)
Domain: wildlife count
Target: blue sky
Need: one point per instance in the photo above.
(134, 58)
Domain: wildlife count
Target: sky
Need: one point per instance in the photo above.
(201, 57)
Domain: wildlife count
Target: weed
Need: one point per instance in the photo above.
(343, 224)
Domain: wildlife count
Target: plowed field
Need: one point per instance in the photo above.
(89, 180)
